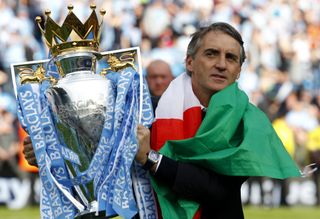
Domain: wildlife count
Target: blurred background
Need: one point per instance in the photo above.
(281, 76)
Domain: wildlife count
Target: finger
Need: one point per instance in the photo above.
(32, 162)
(29, 154)
(139, 129)
(27, 140)
(27, 148)
(142, 129)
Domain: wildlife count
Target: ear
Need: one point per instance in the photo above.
(238, 76)
(189, 64)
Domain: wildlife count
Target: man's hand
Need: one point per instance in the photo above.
(143, 136)
(28, 151)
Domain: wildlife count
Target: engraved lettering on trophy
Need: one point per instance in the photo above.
(65, 111)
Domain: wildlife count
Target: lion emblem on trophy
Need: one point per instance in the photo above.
(116, 64)
(28, 75)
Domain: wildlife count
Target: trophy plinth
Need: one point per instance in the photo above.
(91, 213)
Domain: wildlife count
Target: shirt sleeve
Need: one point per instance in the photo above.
(197, 183)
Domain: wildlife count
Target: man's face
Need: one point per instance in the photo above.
(158, 78)
(215, 65)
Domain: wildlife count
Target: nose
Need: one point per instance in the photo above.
(221, 63)
(159, 81)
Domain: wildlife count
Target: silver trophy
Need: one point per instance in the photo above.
(78, 102)
(77, 95)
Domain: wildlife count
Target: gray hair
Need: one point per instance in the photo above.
(196, 38)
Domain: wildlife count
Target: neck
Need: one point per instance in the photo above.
(203, 96)
(203, 100)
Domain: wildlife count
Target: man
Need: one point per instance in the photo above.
(227, 147)
(159, 76)
(209, 173)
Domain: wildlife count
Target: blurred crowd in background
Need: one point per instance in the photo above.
(281, 73)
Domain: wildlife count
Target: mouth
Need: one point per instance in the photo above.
(219, 77)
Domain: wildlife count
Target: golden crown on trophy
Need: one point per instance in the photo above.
(73, 35)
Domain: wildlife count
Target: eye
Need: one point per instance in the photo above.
(211, 53)
(232, 57)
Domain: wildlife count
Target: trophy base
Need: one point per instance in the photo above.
(92, 215)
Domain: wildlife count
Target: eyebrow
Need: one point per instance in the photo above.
(232, 55)
(228, 54)
(211, 50)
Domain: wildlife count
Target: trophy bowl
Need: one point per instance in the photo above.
(78, 104)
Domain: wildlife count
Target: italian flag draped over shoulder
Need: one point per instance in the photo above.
(235, 138)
